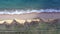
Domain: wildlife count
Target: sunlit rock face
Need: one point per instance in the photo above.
(8, 21)
(48, 20)
(18, 21)
(1, 22)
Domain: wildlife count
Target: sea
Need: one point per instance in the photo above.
(27, 6)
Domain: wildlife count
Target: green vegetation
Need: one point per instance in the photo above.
(34, 28)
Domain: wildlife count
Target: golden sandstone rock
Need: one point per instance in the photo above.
(1, 22)
(21, 21)
(9, 21)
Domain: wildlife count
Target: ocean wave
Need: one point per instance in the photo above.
(27, 11)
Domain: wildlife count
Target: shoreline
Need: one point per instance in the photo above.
(42, 15)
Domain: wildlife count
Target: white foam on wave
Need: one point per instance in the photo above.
(27, 11)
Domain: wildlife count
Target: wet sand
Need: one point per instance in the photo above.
(44, 15)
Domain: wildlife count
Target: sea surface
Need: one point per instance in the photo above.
(29, 6)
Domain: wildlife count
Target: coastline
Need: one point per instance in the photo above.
(42, 15)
